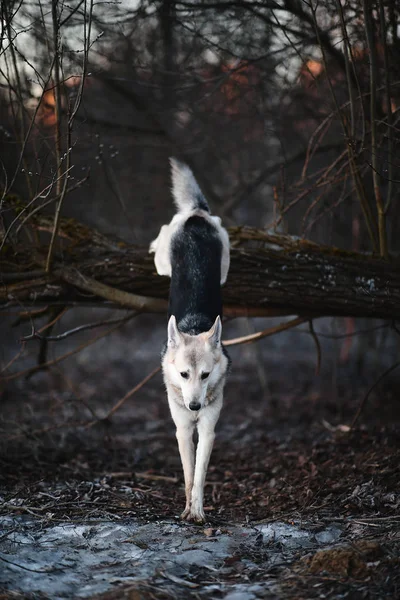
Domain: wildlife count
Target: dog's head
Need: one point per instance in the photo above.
(194, 363)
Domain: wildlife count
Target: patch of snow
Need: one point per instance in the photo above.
(200, 558)
(329, 535)
(288, 535)
(68, 560)
(240, 595)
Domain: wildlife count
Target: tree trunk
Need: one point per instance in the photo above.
(297, 278)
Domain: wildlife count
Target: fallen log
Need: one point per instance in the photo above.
(269, 275)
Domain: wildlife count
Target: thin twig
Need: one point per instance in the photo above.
(382, 23)
(12, 48)
(342, 336)
(253, 337)
(48, 202)
(318, 134)
(63, 191)
(154, 477)
(342, 197)
(15, 358)
(44, 193)
(73, 11)
(76, 392)
(57, 317)
(346, 47)
(60, 190)
(59, 311)
(55, 361)
(127, 396)
(317, 345)
(367, 10)
(350, 150)
(57, 338)
(28, 315)
(373, 386)
(312, 187)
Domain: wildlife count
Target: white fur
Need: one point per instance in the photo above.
(184, 186)
(194, 466)
(161, 245)
(209, 358)
(185, 189)
(194, 355)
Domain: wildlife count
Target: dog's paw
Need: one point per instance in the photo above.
(185, 513)
(196, 516)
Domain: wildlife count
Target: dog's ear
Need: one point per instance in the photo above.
(213, 336)
(174, 337)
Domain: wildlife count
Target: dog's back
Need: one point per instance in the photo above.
(194, 251)
(195, 294)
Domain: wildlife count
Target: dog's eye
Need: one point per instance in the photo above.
(204, 375)
(185, 375)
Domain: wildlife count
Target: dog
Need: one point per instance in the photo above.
(193, 250)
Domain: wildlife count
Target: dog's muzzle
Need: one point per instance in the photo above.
(195, 406)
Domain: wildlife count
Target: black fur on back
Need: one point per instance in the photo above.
(195, 294)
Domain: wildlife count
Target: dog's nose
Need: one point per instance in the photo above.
(195, 406)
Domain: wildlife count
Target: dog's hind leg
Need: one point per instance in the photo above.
(161, 249)
(205, 428)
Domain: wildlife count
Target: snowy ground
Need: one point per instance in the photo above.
(80, 560)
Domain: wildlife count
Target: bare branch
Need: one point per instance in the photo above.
(253, 337)
(317, 345)
(126, 299)
(133, 391)
(367, 10)
(50, 363)
(62, 336)
(371, 389)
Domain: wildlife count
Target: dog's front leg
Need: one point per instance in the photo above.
(184, 435)
(205, 427)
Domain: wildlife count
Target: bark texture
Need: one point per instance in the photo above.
(269, 275)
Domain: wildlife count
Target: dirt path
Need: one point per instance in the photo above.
(297, 508)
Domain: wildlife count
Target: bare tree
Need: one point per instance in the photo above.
(287, 112)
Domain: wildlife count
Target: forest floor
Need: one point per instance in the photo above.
(297, 505)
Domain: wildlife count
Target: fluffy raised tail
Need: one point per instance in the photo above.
(185, 189)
